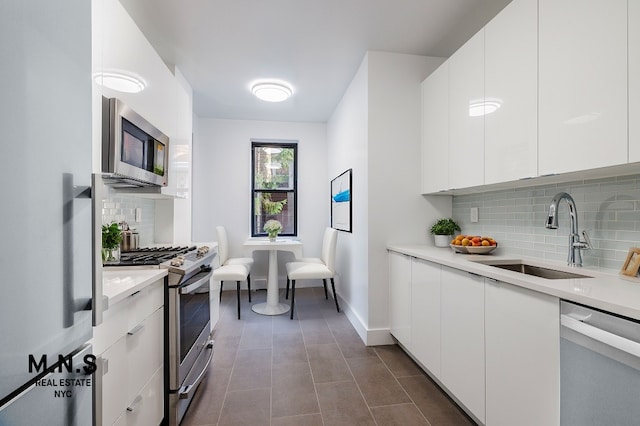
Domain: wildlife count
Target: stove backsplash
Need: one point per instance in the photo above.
(123, 207)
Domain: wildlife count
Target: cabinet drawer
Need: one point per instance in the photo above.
(124, 316)
(144, 352)
(114, 372)
(147, 407)
(129, 363)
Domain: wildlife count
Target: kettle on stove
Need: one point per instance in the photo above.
(130, 238)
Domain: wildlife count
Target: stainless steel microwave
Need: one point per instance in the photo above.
(134, 152)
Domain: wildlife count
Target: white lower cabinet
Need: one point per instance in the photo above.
(494, 346)
(462, 340)
(148, 406)
(129, 384)
(522, 334)
(400, 297)
(425, 314)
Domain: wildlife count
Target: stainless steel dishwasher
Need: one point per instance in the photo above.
(599, 367)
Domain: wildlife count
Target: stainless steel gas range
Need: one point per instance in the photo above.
(188, 347)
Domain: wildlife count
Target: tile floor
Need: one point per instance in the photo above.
(313, 370)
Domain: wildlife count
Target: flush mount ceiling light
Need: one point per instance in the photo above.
(120, 81)
(481, 107)
(272, 91)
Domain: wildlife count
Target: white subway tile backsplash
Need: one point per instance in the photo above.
(123, 208)
(609, 209)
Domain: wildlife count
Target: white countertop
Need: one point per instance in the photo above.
(606, 290)
(120, 283)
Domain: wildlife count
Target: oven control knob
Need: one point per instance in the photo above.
(177, 261)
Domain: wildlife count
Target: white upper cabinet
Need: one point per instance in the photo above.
(466, 120)
(510, 93)
(435, 131)
(634, 81)
(119, 46)
(582, 84)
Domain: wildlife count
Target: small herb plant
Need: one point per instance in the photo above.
(111, 236)
(445, 227)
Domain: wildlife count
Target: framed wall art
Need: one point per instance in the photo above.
(632, 264)
(341, 197)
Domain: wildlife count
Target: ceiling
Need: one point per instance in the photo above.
(221, 46)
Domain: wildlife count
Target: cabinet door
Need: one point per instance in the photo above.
(400, 297)
(466, 114)
(435, 131)
(583, 84)
(634, 81)
(425, 314)
(522, 334)
(511, 86)
(463, 338)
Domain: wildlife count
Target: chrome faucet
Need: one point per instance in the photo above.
(575, 245)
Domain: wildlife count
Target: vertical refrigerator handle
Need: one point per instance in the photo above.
(71, 305)
(97, 194)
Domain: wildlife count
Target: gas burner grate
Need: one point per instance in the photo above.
(150, 255)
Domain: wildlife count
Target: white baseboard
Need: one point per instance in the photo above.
(370, 337)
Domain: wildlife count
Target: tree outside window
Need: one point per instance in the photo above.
(274, 186)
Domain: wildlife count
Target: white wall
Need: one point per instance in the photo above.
(397, 211)
(376, 131)
(347, 138)
(222, 182)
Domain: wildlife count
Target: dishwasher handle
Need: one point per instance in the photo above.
(621, 343)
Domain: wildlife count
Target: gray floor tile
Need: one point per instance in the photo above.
(376, 382)
(342, 404)
(250, 407)
(398, 415)
(313, 371)
(397, 361)
(293, 392)
(306, 420)
(433, 403)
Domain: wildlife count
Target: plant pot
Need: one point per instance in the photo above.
(442, 240)
(111, 255)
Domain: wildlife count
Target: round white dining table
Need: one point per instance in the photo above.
(273, 306)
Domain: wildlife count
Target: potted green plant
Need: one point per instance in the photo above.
(111, 238)
(442, 231)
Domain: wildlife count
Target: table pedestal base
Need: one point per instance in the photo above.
(268, 309)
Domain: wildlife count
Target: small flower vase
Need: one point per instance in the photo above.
(272, 236)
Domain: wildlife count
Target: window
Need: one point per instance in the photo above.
(274, 170)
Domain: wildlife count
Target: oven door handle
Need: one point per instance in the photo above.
(191, 287)
(186, 391)
(609, 339)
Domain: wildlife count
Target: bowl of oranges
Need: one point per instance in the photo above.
(473, 244)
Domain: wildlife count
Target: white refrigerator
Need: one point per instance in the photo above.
(46, 251)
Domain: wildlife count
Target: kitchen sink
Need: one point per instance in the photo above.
(538, 271)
